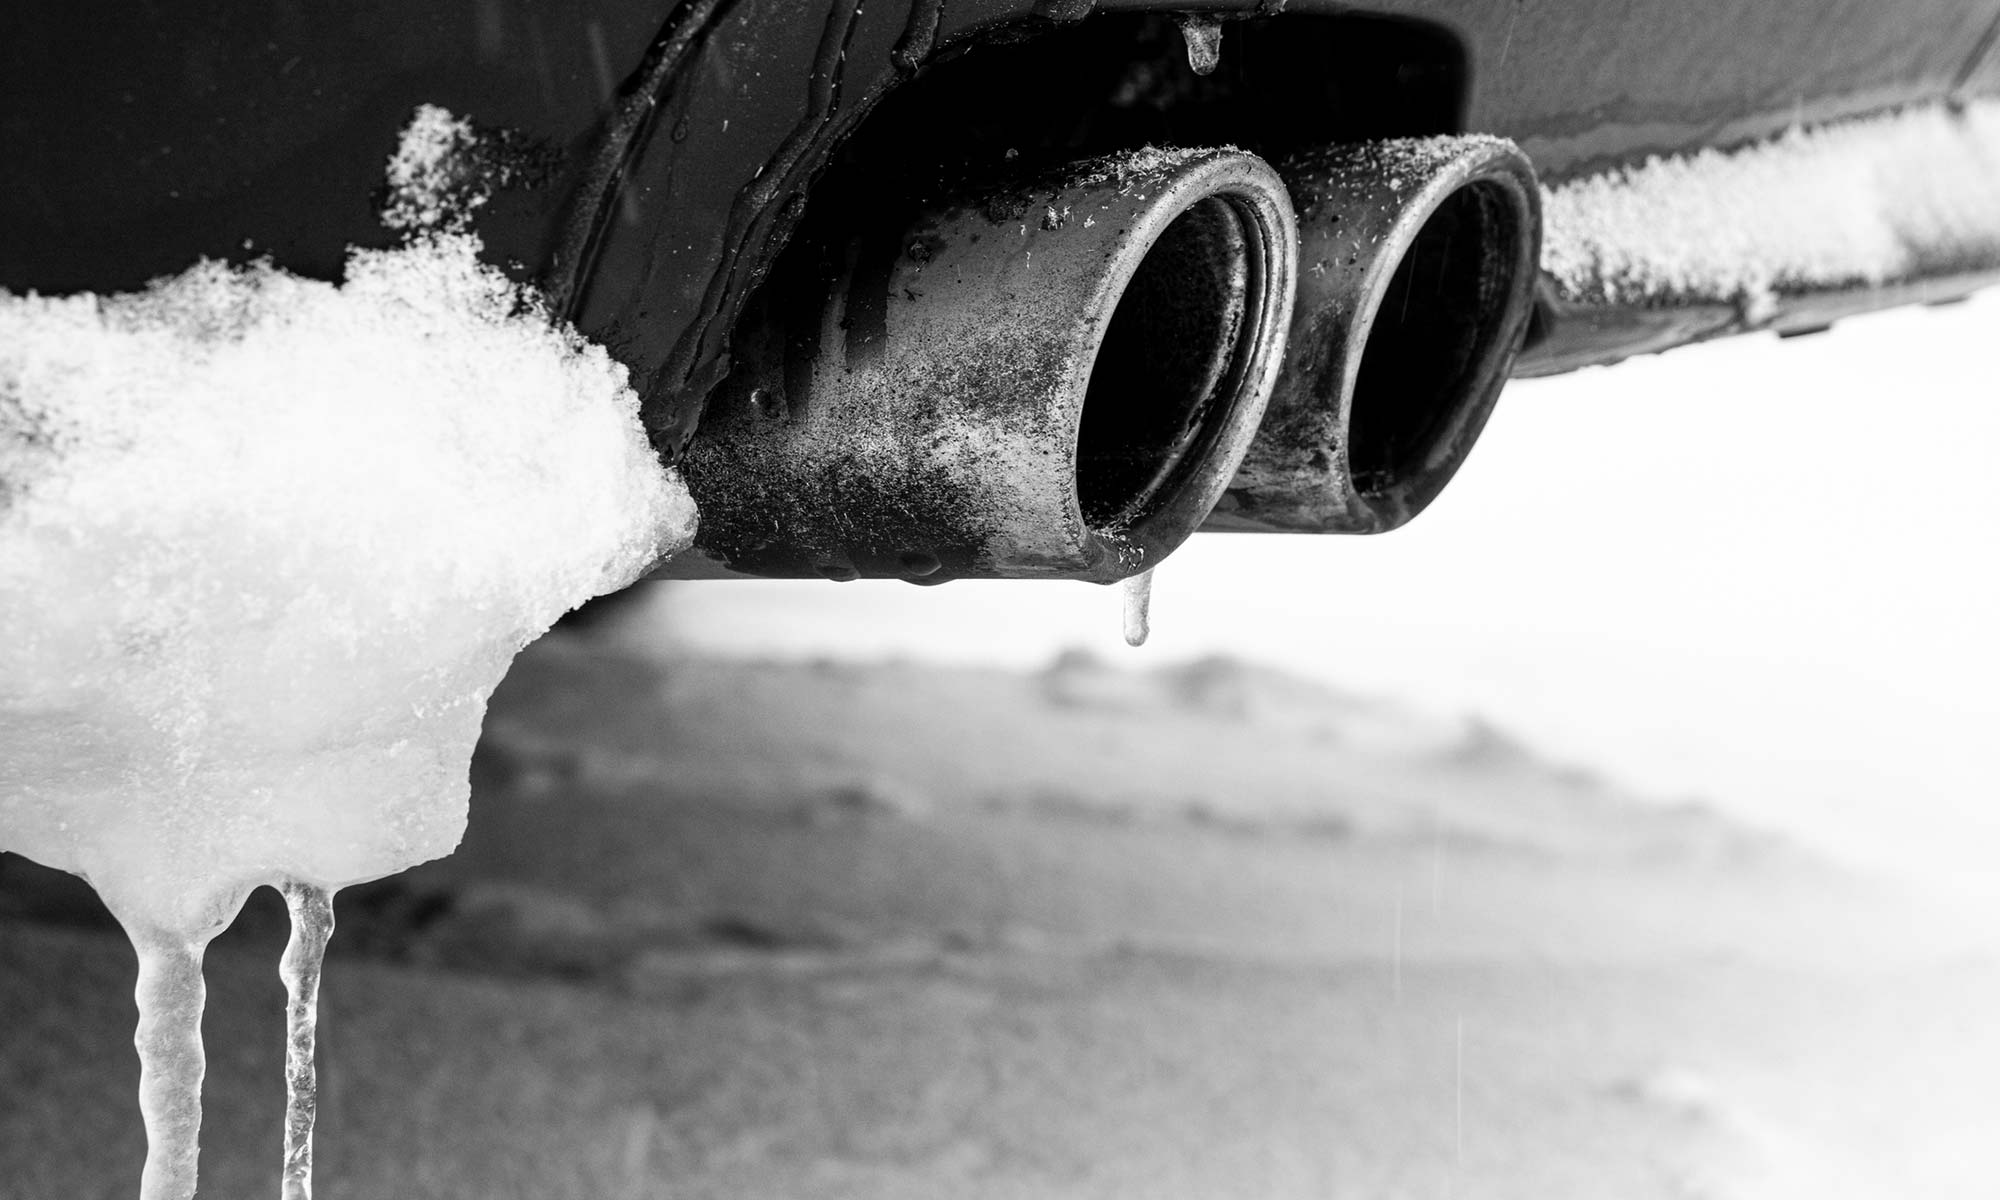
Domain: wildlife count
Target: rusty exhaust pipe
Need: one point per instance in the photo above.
(1417, 264)
(1053, 381)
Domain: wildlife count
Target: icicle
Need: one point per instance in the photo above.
(171, 996)
(1138, 607)
(170, 934)
(312, 924)
(1204, 43)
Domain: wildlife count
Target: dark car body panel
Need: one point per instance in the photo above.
(683, 140)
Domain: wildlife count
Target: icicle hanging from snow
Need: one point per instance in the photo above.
(311, 911)
(171, 996)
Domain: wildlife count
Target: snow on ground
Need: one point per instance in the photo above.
(837, 930)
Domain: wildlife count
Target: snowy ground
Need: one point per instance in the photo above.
(743, 930)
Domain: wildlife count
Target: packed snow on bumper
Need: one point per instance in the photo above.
(1859, 203)
(266, 547)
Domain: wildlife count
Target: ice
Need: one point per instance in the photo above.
(1138, 596)
(311, 911)
(1857, 203)
(170, 995)
(267, 545)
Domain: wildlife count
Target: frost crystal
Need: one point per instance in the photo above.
(437, 177)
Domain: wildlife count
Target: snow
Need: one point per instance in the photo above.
(267, 546)
(1854, 204)
(435, 177)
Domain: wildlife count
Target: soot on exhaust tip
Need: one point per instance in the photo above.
(1439, 322)
(1171, 358)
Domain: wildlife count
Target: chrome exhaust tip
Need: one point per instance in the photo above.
(1055, 380)
(1417, 263)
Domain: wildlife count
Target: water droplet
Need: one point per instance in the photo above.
(921, 565)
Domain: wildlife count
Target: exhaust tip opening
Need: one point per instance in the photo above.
(1439, 333)
(1175, 355)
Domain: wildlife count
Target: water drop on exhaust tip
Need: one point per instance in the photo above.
(1138, 607)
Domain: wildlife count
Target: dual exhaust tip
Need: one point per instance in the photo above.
(1066, 379)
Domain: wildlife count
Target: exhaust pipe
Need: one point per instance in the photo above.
(1052, 381)
(1417, 264)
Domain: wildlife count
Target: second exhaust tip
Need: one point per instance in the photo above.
(1417, 264)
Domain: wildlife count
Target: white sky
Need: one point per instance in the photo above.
(1760, 572)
